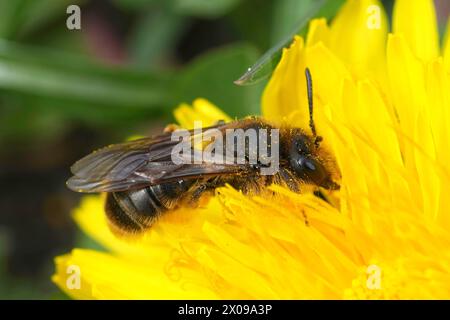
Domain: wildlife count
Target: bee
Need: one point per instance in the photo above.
(142, 182)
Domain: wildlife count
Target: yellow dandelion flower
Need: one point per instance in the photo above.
(382, 105)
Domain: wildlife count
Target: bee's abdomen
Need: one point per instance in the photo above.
(134, 211)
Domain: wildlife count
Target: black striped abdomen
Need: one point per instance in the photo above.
(134, 211)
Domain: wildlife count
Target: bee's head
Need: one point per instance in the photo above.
(306, 162)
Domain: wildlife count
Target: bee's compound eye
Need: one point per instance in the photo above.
(310, 165)
(313, 169)
(309, 169)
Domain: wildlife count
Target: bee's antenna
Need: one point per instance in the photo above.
(310, 101)
(310, 105)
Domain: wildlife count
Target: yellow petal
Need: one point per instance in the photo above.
(318, 32)
(358, 35)
(103, 276)
(438, 88)
(438, 94)
(407, 87)
(378, 120)
(328, 73)
(446, 48)
(202, 110)
(66, 278)
(416, 20)
(425, 166)
(286, 91)
(407, 84)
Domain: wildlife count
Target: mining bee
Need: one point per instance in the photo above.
(142, 181)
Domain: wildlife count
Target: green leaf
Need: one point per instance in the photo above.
(154, 34)
(265, 65)
(286, 16)
(204, 8)
(10, 16)
(46, 73)
(198, 8)
(253, 25)
(135, 4)
(22, 17)
(211, 77)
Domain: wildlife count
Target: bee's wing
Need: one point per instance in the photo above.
(114, 167)
(141, 163)
(159, 173)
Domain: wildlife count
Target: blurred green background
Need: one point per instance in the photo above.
(66, 92)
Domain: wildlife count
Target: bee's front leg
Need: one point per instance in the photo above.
(289, 180)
